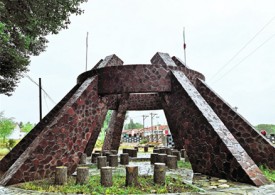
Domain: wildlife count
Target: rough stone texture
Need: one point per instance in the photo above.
(108, 137)
(101, 161)
(82, 175)
(94, 157)
(133, 79)
(83, 159)
(159, 173)
(124, 159)
(216, 141)
(172, 162)
(131, 175)
(60, 175)
(256, 145)
(211, 147)
(113, 162)
(15, 153)
(106, 176)
(62, 141)
(120, 117)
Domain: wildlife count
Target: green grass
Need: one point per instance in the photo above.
(145, 186)
(270, 174)
(3, 152)
(186, 165)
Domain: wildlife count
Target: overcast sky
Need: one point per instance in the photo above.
(134, 30)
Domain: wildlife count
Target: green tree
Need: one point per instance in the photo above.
(27, 127)
(6, 127)
(269, 128)
(24, 25)
(132, 125)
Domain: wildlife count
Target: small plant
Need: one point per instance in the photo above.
(186, 165)
(270, 174)
(143, 141)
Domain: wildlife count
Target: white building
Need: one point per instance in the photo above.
(17, 133)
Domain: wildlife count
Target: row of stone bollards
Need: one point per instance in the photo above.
(82, 175)
(106, 178)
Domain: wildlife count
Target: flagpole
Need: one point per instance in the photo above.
(184, 45)
(87, 51)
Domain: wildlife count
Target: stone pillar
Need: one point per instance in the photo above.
(159, 173)
(94, 157)
(162, 150)
(114, 151)
(153, 158)
(124, 159)
(176, 153)
(101, 161)
(82, 175)
(145, 148)
(168, 151)
(83, 159)
(172, 162)
(106, 179)
(155, 150)
(113, 160)
(108, 138)
(121, 113)
(136, 148)
(131, 175)
(60, 175)
(162, 158)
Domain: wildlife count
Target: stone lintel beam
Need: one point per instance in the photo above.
(136, 101)
(163, 59)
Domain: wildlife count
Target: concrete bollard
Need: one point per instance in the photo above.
(114, 151)
(113, 160)
(106, 177)
(145, 148)
(61, 175)
(153, 158)
(82, 175)
(83, 159)
(162, 150)
(155, 150)
(131, 175)
(94, 157)
(168, 151)
(172, 162)
(176, 153)
(101, 161)
(124, 159)
(159, 173)
(162, 158)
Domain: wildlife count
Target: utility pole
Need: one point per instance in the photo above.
(40, 100)
(143, 118)
(152, 117)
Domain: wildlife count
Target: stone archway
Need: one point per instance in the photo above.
(219, 142)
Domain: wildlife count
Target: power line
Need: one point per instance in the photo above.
(242, 48)
(271, 37)
(32, 80)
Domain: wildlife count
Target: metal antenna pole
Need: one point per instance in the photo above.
(87, 50)
(184, 45)
(40, 100)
